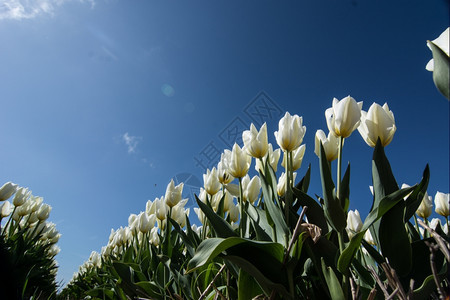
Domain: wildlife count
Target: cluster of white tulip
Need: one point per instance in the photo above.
(145, 227)
(26, 212)
(345, 116)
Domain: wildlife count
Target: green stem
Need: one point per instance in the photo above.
(417, 225)
(341, 140)
(241, 209)
(287, 193)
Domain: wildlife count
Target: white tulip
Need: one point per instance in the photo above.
(354, 223)
(211, 181)
(344, 116)
(222, 168)
(441, 202)
(290, 132)
(425, 208)
(21, 196)
(239, 162)
(297, 158)
(281, 186)
(5, 209)
(173, 193)
(255, 142)
(442, 42)
(376, 123)
(330, 144)
(251, 188)
(7, 190)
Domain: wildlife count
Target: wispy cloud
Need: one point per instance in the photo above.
(131, 142)
(29, 9)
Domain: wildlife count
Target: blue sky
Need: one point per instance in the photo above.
(103, 102)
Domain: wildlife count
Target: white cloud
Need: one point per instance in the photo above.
(131, 142)
(28, 9)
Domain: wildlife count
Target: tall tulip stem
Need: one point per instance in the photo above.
(241, 209)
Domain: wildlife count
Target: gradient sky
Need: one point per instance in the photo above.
(104, 101)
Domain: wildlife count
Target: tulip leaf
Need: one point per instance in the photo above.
(222, 227)
(274, 212)
(384, 182)
(415, 198)
(441, 70)
(212, 247)
(333, 209)
(334, 286)
(259, 221)
(314, 213)
(345, 189)
(148, 289)
(187, 242)
(248, 288)
(384, 206)
(265, 283)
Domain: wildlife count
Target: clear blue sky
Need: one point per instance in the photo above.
(103, 102)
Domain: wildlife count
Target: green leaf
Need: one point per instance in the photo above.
(333, 209)
(315, 212)
(187, 242)
(334, 286)
(266, 283)
(222, 228)
(384, 206)
(260, 223)
(212, 247)
(345, 189)
(248, 288)
(441, 70)
(275, 213)
(415, 198)
(149, 289)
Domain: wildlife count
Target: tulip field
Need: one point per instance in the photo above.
(260, 237)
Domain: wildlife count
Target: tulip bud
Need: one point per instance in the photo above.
(344, 116)
(150, 207)
(44, 212)
(154, 237)
(227, 201)
(441, 202)
(239, 162)
(251, 188)
(290, 132)
(255, 142)
(424, 209)
(211, 181)
(173, 193)
(234, 213)
(369, 238)
(378, 122)
(5, 209)
(354, 223)
(161, 209)
(443, 43)
(281, 186)
(201, 216)
(21, 196)
(7, 190)
(330, 144)
(222, 168)
(297, 158)
(145, 224)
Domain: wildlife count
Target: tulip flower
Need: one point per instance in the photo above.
(290, 132)
(354, 223)
(369, 238)
(376, 123)
(441, 202)
(145, 222)
(44, 212)
(5, 209)
(7, 190)
(222, 168)
(173, 193)
(161, 209)
(227, 201)
(281, 186)
(234, 213)
(273, 156)
(424, 209)
(239, 162)
(21, 196)
(251, 188)
(344, 116)
(297, 158)
(211, 181)
(154, 237)
(443, 43)
(255, 142)
(201, 216)
(330, 144)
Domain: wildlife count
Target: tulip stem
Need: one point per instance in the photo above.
(241, 209)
